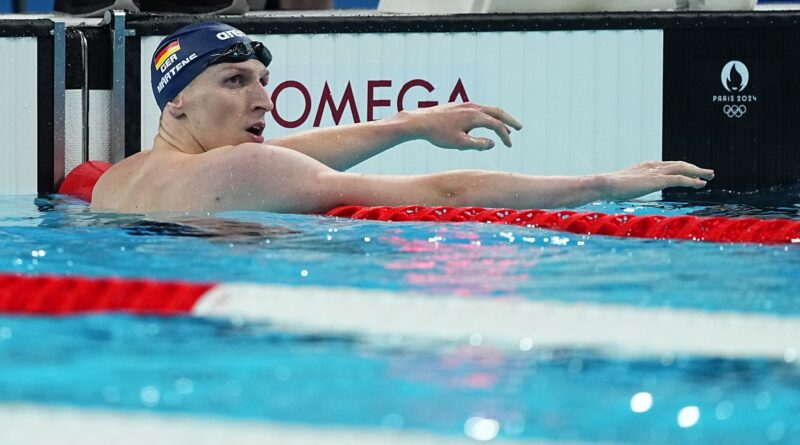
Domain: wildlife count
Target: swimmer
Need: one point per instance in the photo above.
(209, 155)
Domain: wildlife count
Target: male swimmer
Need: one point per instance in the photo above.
(209, 154)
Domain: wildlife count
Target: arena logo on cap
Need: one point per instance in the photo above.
(225, 35)
(166, 52)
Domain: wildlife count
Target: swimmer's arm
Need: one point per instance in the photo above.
(467, 188)
(445, 126)
(345, 146)
(281, 180)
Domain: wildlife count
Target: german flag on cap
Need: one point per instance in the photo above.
(170, 49)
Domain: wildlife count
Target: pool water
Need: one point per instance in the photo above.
(217, 368)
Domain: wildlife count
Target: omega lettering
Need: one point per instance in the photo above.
(338, 107)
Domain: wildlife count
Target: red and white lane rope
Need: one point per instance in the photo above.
(684, 227)
(508, 323)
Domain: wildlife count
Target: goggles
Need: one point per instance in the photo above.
(242, 52)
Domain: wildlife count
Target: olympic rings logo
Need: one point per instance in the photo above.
(734, 111)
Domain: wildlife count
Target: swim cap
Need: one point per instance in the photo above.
(184, 54)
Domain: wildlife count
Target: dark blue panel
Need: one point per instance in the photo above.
(362, 4)
(40, 5)
(7, 6)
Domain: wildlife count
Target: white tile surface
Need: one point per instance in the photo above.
(18, 115)
(99, 127)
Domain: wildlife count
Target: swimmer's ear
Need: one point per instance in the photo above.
(175, 107)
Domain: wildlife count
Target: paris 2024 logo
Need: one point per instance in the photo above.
(735, 77)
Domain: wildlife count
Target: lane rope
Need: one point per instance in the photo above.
(511, 324)
(80, 182)
(51, 295)
(684, 227)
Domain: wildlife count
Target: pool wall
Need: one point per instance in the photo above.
(27, 112)
(596, 92)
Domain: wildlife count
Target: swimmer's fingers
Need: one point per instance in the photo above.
(687, 169)
(474, 143)
(682, 181)
(495, 125)
(501, 115)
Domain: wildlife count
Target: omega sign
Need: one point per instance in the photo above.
(380, 94)
(735, 77)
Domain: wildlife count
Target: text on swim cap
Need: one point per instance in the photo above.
(167, 63)
(225, 35)
(168, 76)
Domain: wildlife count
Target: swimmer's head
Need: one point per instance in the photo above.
(187, 52)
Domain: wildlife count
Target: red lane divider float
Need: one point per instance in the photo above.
(46, 295)
(715, 229)
(80, 183)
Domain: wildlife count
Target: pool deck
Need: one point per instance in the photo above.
(25, 424)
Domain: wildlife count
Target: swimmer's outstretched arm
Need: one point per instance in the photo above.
(445, 126)
(281, 180)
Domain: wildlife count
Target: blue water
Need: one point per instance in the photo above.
(227, 369)
(466, 259)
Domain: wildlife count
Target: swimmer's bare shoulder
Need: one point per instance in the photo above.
(116, 188)
(271, 178)
(244, 177)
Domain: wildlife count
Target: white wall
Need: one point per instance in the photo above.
(99, 127)
(18, 116)
(590, 100)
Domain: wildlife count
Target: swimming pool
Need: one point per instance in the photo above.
(240, 375)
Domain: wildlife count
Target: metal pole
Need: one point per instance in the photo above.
(117, 85)
(59, 106)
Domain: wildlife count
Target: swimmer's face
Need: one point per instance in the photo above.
(226, 103)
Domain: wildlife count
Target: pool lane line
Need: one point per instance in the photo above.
(29, 424)
(508, 323)
(662, 227)
(64, 295)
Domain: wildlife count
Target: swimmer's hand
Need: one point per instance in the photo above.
(652, 176)
(448, 125)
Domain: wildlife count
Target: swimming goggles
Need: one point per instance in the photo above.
(242, 51)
